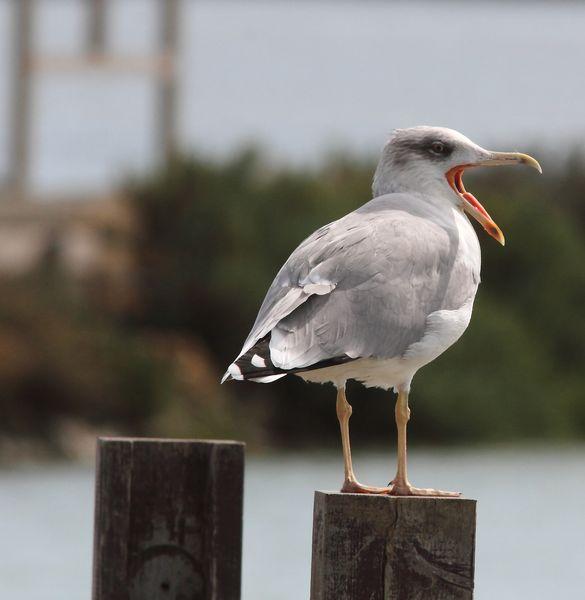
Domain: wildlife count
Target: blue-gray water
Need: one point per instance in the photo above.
(302, 77)
(530, 538)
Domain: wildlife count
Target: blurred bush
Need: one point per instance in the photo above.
(208, 239)
(60, 360)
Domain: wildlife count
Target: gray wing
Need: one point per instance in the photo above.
(363, 286)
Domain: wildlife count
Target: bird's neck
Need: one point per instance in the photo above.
(416, 179)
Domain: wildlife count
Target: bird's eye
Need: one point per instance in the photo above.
(438, 147)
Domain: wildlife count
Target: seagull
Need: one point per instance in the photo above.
(384, 290)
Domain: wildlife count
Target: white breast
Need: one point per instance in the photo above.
(445, 328)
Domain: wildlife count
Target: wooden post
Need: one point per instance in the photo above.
(368, 547)
(168, 519)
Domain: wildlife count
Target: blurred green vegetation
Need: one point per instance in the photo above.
(214, 236)
(209, 239)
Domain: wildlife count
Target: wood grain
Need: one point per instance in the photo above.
(168, 519)
(368, 547)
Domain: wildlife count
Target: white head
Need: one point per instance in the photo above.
(431, 160)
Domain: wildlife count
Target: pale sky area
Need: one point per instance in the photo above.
(304, 78)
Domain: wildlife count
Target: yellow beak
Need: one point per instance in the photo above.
(498, 159)
(470, 203)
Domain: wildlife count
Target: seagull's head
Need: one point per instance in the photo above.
(431, 160)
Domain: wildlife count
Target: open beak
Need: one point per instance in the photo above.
(470, 203)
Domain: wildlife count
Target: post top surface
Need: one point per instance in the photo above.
(387, 498)
(145, 440)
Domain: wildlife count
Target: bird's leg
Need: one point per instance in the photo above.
(400, 485)
(350, 483)
(344, 411)
(402, 415)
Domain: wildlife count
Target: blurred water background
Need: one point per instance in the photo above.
(529, 535)
(127, 283)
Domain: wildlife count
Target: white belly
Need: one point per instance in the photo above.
(445, 327)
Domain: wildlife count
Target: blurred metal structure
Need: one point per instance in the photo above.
(20, 100)
(96, 41)
(161, 65)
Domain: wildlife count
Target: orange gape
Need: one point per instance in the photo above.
(455, 180)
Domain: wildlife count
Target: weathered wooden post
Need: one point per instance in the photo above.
(168, 519)
(369, 547)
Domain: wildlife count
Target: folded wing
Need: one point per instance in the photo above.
(362, 286)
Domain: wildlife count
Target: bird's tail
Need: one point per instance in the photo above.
(254, 365)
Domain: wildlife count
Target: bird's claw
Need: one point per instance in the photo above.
(393, 489)
(354, 487)
(409, 490)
